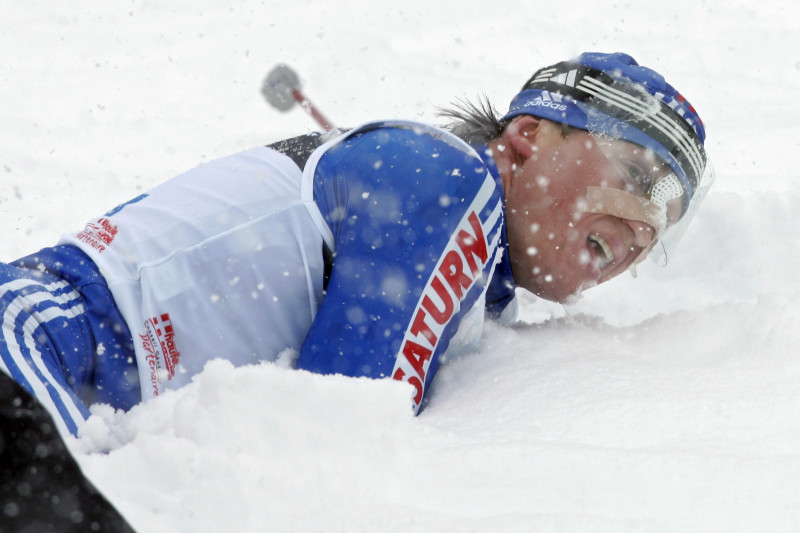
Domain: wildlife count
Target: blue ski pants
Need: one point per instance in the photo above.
(63, 338)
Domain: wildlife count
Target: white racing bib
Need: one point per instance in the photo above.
(199, 270)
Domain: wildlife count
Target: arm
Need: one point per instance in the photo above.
(415, 221)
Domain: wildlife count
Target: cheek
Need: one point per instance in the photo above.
(547, 219)
(549, 200)
(567, 182)
(573, 235)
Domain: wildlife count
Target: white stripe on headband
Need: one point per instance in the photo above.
(659, 120)
(543, 76)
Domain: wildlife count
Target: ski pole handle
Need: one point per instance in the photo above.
(281, 88)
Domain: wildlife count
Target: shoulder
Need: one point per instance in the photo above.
(407, 139)
(404, 177)
(384, 139)
(415, 155)
(411, 133)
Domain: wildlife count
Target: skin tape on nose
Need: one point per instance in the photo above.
(622, 204)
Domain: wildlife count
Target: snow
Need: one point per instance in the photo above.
(666, 403)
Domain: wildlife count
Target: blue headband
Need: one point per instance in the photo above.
(610, 94)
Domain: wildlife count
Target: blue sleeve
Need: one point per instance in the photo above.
(416, 218)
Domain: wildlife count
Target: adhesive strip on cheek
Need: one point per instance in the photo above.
(622, 204)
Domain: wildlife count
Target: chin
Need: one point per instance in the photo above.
(555, 294)
(562, 294)
(558, 289)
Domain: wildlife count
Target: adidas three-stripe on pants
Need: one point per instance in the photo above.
(63, 338)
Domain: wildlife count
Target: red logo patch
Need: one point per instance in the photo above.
(98, 234)
(158, 343)
(166, 340)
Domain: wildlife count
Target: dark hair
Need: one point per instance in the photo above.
(479, 123)
(475, 123)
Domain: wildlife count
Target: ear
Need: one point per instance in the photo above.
(522, 134)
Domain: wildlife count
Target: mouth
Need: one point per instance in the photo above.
(602, 250)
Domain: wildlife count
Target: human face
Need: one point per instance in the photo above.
(557, 246)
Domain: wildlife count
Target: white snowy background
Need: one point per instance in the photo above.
(666, 403)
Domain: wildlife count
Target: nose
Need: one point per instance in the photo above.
(643, 234)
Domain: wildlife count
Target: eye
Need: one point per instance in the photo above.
(638, 177)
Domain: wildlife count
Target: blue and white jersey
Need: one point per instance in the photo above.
(376, 258)
(414, 219)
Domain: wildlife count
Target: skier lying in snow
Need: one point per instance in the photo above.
(366, 253)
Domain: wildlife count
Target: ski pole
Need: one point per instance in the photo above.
(281, 88)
